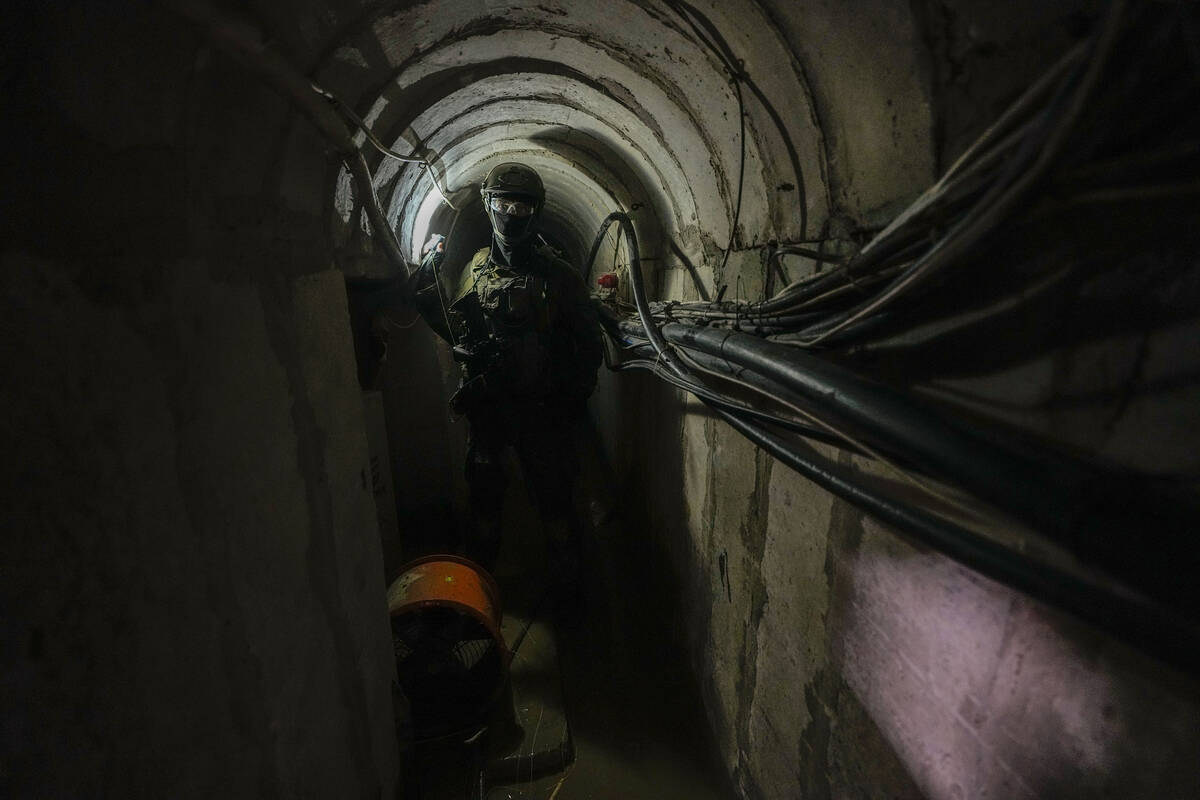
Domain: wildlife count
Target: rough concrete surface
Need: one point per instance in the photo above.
(192, 577)
(192, 580)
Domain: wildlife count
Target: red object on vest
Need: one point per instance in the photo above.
(607, 281)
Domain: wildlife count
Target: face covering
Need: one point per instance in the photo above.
(510, 230)
(509, 233)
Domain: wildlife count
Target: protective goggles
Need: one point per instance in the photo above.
(511, 206)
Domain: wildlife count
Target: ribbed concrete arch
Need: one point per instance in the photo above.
(590, 137)
(570, 115)
(193, 304)
(575, 204)
(581, 186)
(700, 160)
(595, 163)
(650, 108)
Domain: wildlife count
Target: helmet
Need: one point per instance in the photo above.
(512, 222)
(512, 178)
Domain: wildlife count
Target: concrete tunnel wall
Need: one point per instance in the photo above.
(195, 565)
(192, 582)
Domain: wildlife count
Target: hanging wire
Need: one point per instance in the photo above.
(361, 124)
(845, 303)
(1001, 198)
(737, 209)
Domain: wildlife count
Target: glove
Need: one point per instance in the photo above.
(436, 240)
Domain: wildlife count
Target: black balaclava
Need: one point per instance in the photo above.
(512, 237)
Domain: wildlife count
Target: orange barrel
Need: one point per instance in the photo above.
(451, 659)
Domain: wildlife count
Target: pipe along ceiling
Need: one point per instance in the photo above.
(698, 130)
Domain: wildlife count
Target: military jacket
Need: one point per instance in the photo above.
(524, 333)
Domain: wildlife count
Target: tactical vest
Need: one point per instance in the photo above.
(503, 316)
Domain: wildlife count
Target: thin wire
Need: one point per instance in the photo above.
(736, 74)
(396, 326)
(854, 284)
(979, 220)
(737, 299)
(616, 247)
(461, 732)
(437, 280)
(533, 617)
(721, 49)
(361, 124)
(1032, 94)
(929, 201)
(706, 394)
(737, 209)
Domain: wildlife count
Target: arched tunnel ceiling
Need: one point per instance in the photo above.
(190, 435)
(620, 105)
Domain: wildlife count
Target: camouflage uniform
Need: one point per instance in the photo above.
(528, 341)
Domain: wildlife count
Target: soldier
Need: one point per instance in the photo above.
(528, 340)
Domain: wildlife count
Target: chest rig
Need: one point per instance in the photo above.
(512, 302)
(502, 318)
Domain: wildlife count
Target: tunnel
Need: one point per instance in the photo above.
(889, 482)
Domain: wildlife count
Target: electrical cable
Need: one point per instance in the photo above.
(1080, 505)
(683, 372)
(597, 240)
(833, 434)
(984, 152)
(361, 124)
(1035, 92)
(778, 314)
(896, 241)
(1134, 618)
(637, 284)
(818, 431)
(737, 209)
(1001, 198)
(1084, 507)
(724, 53)
(809, 432)
(1130, 617)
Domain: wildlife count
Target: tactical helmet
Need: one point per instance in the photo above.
(512, 180)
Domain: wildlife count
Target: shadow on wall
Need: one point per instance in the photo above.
(426, 443)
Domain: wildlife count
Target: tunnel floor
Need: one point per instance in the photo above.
(614, 671)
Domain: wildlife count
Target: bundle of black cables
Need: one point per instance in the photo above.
(758, 366)
(854, 299)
